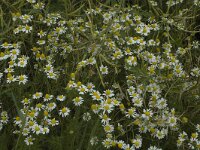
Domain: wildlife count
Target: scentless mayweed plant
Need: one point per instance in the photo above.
(89, 75)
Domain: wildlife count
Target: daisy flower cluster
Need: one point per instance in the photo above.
(143, 104)
(13, 61)
(156, 120)
(117, 63)
(189, 141)
(41, 106)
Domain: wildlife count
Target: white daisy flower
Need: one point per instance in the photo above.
(37, 95)
(104, 69)
(61, 97)
(64, 111)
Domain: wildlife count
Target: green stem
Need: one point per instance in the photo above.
(100, 76)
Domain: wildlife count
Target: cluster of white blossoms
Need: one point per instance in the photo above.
(192, 140)
(13, 60)
(116, 60)
(44, 107)
(173, 3)
(157, 120)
